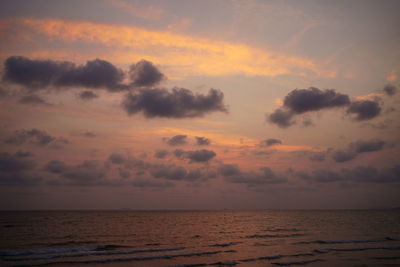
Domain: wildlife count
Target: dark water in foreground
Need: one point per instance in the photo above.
(200, 238)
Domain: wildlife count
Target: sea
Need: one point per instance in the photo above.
(200, 238)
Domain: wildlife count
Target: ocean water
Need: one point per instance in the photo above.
(200, 238)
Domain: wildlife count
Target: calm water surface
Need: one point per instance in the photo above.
(200, 238)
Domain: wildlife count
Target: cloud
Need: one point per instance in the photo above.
(33, 100)
(360, 174)
(229, 169)
(282, 118)
(271, 142)
(318, 156)
(56, 166)
(161, 153)
(364, 109)
(202, 141)
(89, 134)
(264, 176)
(15, 170)
(323, 176)
(15, 163)
(300, 101)
(177, 103)
(33, 136)
(37, 74)
(198, 156)
(117, 158)
(176, 140)
(357, 147)
(361, 146)
(343, 155)
(146, 183)
(186, 54)
(87, 95)
(144, 73)
(203, 155)
(177, 173)
(88, 173)
(24, 154)
(390, 89)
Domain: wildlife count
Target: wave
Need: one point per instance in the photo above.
(263, 258)
(296, 262)
(225, 244)
(274, 236)
(145, 258)
(281, 230)
(92, 253)
(350, 241)
(48, 251)
(354, 249)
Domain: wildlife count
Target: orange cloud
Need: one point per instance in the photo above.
(183, 55)
(391, 77)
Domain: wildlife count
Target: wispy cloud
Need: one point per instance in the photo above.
(189, 55)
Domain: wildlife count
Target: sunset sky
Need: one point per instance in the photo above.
(216, 104)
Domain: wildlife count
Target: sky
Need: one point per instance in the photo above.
(222, 104)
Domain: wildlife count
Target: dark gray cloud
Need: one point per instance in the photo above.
(177, 103)
(199, 156)
(364, 109)
(24, 154)
(34, 74)
(123, 173)
(390, 89)
(94, 74)
(4, 93)
(169, 172)
(33, 99)
(56, 166)
(366, 174)
(87, 95)
(271, 142)
(300, 101)
(15, 170)
(360, 174)
(179, 153)
(39, 74)
(88, 173)
(264, 176)
(202, 141)
(117, 158)
(321, 176)
(229, 169)
(176, 140)
(33, 136)
(357, 147)
(304, 100)
(144, 73)
(89, 134)
(318, 156)
(161, 153)
(202, 155)
(281, 117)
(15, 163)
(362, 146)
(146, 183)
(343, 155)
